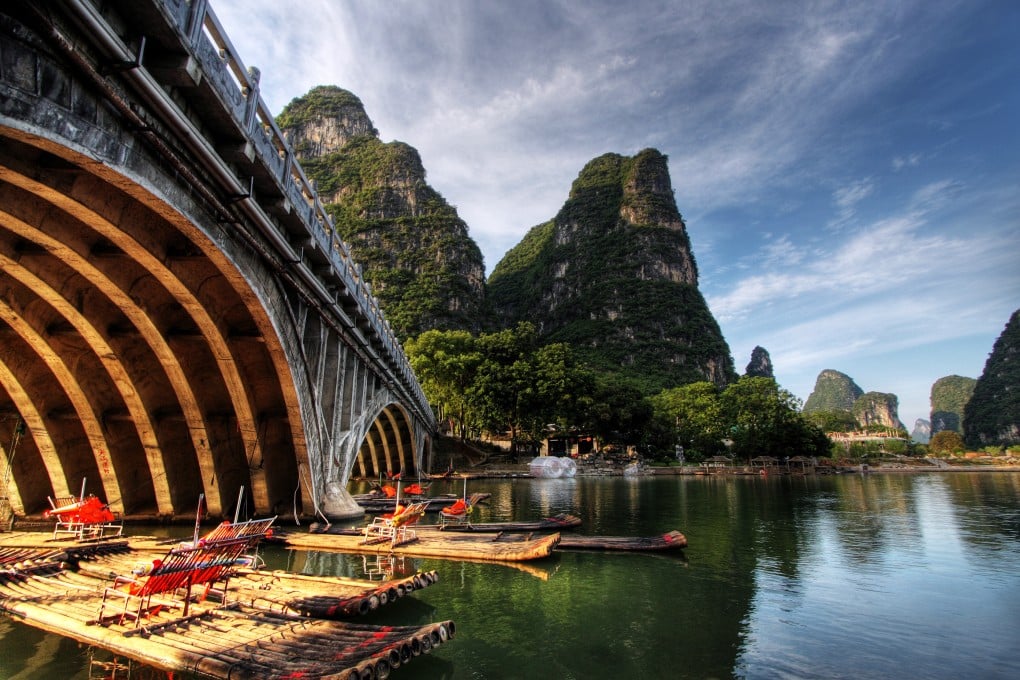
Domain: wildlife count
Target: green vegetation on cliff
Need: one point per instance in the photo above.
(834, 391)
(613, 275)
(323, 102)
(949, 397)
(992, 416)
(415, 251)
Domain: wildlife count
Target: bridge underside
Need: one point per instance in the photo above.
(133, 356)
(155, 342)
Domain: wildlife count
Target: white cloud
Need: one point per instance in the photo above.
(909, 161)
(870, 267)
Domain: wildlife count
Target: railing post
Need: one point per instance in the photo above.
(196, 19)
(251, 105)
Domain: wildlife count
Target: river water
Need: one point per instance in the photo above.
(848, 576)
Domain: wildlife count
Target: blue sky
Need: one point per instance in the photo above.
(849, 171)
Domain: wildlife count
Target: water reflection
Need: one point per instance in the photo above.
(807, 577)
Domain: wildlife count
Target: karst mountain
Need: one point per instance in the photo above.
(612, 272)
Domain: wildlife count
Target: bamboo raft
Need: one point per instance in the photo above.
(375, 503)
(501, 547)
(554, 523)
(326, 597)
(672, 540)
(221, 640)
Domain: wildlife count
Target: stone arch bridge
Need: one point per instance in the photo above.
(178, 315)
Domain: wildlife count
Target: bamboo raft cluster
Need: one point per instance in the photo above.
(493, 541)
(326, 597)
(264, 631)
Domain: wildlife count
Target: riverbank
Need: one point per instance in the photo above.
(510, 471)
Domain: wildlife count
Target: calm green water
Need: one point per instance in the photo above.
(786, 577)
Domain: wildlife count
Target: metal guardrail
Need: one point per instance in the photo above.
(237, 88)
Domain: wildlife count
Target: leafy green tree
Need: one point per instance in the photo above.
(521, 386)
(946, 441)
(764, 419)
(695, 414)
(502, 382)
(832, 421)
(446, 363)
(562, 387)
(618, 411)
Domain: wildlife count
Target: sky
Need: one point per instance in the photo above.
(849, 172)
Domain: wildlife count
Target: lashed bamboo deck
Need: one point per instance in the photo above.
(555, 523)
(438, 544)
(331, 597)
(236, 641)
(374, 503)
(672, 540)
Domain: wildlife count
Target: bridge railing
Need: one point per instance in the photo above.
(237, 87)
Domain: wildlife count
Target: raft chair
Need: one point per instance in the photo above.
(458, 513)
(83, 518)
(397, 527)
(169, 582)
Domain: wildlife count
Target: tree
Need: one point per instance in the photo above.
(764, 419)
(502, 382)
(946, 441)
(521, 386)
(562, 388)
(695, 416)
(618, 410)
(446, 363)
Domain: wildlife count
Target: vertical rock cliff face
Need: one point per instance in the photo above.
(878, 408)
(416, 253)
(921, 432)
(613, 274)
(760, 365)
(324, 120)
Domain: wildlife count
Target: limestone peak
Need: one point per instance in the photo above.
(324, 120)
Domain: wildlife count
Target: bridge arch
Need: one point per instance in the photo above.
(168, 335)
(149, 289)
